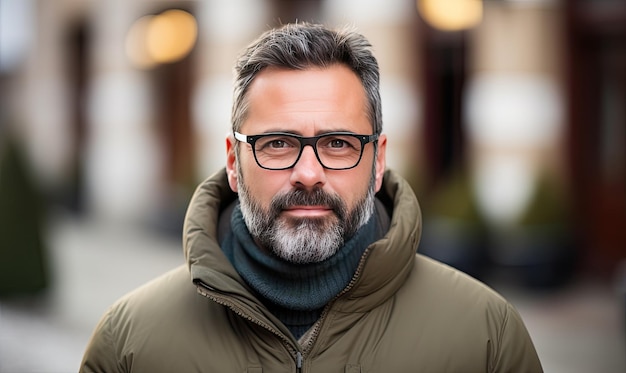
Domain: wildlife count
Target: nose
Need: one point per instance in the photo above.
(308, 172)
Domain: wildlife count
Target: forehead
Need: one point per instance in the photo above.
(313, 99)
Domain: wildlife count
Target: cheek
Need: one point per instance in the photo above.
(353, 188)
(262, 184)
(248, 171)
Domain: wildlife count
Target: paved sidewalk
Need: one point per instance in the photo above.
(93, 265)
(579, 329)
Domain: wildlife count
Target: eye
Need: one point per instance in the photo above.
(337, 143)
(278, 143)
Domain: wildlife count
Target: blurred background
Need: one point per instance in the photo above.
(508, 117)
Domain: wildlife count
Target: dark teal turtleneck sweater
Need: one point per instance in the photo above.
(296, 293)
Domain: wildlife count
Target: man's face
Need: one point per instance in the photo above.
(303, 214)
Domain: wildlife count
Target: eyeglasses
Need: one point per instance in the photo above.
(334, 150)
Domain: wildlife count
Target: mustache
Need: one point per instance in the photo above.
(300, 197)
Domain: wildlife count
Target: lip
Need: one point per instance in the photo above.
(308, 211)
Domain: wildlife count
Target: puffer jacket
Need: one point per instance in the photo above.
(401, 312)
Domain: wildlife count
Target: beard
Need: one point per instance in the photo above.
(308, 239)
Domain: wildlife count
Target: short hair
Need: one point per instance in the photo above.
(300, 46)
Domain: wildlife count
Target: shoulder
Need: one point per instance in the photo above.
(149, 302)
(430, 275)
(166, 306)
(444, 320)
(464, 318)
(140, 329)
(455, 298)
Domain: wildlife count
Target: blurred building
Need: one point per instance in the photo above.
(123, 107)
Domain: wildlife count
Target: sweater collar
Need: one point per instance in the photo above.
(302, 287)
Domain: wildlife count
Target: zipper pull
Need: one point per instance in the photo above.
(298, 361)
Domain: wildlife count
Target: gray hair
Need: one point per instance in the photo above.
(303, 45)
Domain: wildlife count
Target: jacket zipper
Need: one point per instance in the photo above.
(298, 362)
(318, 325)
(204, 290)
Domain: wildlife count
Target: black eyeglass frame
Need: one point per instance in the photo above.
(304, 141)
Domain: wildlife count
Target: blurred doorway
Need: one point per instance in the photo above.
(77, 41)
(597, 128)
(444, 74)
(172, 80)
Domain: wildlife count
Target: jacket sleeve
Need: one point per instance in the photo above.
(513, 349)
(100, 355)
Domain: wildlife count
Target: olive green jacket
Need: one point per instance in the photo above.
(401, 312)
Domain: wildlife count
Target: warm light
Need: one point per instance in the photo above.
(136, 43)
(164, 38)
(171, 35)
(451, 15)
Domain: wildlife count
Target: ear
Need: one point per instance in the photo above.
(381, 160)
(231, 162)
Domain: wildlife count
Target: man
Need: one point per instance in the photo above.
(301, 253)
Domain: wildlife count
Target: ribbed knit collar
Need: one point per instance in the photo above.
(295, 293)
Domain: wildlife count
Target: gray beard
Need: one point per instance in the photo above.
(303, 240)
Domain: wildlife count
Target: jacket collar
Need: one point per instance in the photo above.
(383, 269)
